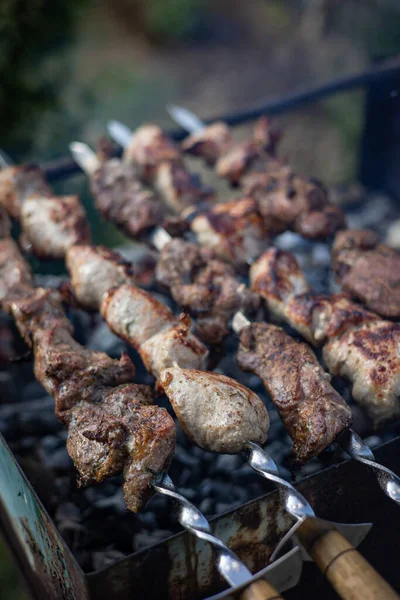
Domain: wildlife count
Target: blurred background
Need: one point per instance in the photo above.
(66, 68)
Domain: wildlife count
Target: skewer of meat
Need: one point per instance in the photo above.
(159, 162)
(286, 201)
(313, 412)
(50, 223)
(199, 282)
(210, 408)
(368, 270)
(113, 426)
(356, 344)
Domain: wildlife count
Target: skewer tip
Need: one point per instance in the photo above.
(185, 118)
(120, 133)
(84, 156)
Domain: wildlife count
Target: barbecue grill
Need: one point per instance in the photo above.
(182, 566)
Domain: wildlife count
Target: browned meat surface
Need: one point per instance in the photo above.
(123, 199)
(276, 277)
(112, 426)
(234, 230)
(51, 224)
(123, 433)
(17, 183)
(94, 270)
(15, 273)
(180, 188)
(209, 143)
(288, 201)
(368, 270)
(216, 142)
(357, 344)
(148, 148)
(151, 327)
(205, 287)
(310, 408)
(217, 413)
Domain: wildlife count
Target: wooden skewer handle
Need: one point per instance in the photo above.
(346, 569)
(260, 590)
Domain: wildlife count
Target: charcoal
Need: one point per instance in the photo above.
(104, 340)
(225, 464)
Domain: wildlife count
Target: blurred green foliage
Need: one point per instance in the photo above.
(30, 83)
(171, 19)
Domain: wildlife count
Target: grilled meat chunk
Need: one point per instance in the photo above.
(276, 277)
(210, 143)
(123, 199)
(148, 148)
(52, 224)
(205, 287)
(215, 144)
(310, 408)
(217, 413)
(112, 427)
(234, 230)
(68, 371)
(369, 356)
(123, 433)
(17, 184)
(180, 188)
(289, 202)
(368, 270)
(357, 344)
(15, 274)
(151, 327)
(94, 270)
(160, 164)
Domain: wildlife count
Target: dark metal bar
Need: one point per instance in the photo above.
(65, 167)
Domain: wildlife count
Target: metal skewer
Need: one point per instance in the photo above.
(232, 569)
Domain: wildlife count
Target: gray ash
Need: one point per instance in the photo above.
(94, 521)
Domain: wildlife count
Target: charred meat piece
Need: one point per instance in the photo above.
(368, 270)
(180, 188)
(215, 143)
(17, 184)
(310, 408)
(15, 273)
(210, 143)
(94, 270)
(234, 230)
(151, 327)
(122, 198)
(205, 287)
(122, 433)
(148, 148)
(112, 427)
(369, 356)
(216, 412)
(68, 371)
(160, 164)
(238, 159)
(356, 344)
(276, 277)
(51, 224)
(288, 201)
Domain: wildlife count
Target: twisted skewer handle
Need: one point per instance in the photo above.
(346, 569)
(228, 564)
(295, 503)
(358, 450)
